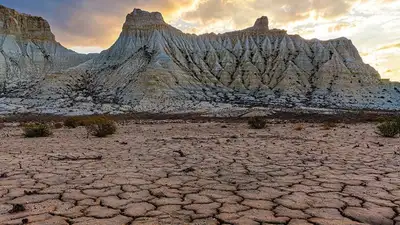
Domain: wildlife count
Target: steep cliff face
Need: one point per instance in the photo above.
(156, 67)
(24, 26)
(29, 52)
(154, 63)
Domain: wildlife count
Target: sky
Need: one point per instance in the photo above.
(93, 25)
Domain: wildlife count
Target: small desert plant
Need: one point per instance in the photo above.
(388, 129)
(58, 125)
(37, 130)
(299, 127)
(397, 122)
(381, 119)
(328, 125)
(100, 126)
(257, 123)
(2, 125)
(73, 122)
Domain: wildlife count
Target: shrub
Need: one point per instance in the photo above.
(58, 125)
(257, 123)
(100, 126)
(2, 125)
(328, 125)
(381, 119)
(82, 121)
(299, 127)
(73, 122)
(397, 122)
(388, 129)
(37, 130)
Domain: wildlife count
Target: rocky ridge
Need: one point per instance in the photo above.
(156, 67)
(153, 64)
(29, 53)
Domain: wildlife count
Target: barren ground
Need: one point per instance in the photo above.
(202, 173)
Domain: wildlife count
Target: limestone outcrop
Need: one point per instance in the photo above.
(156, 67)
(153, 64)
(29, 53)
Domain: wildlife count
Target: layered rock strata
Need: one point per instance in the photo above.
(153, 63)
(156, 67)
(29, 52)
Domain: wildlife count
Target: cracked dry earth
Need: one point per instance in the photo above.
(208, 173)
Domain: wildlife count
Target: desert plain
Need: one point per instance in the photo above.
(188, 172)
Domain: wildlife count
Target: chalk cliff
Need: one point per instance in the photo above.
(29, 52)
(153, 64)
(156, 67)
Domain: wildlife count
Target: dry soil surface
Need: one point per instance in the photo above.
(208, 173)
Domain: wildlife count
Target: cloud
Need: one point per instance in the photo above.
(99, 22)
(390, 46)
(386, 60)
(340, 26)
(244, 12)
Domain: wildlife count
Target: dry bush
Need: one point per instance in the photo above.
(328, 125)
(389, 129)
(58, 125)
(382, 119)
(37, 130)
(82, 121)
(257, 123)
(397, 122)
(2, 126)
(387, 118)
(74, 122)
(100, 126)
(299, 127)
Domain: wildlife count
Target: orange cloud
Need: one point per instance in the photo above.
(244, 12)
(340, 26)
(395, 45)
(99, 23)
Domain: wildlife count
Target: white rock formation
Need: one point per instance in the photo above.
(153, 64)
(29, 52)
(156, 67)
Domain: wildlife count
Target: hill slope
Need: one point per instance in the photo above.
(29, 52)
(153, 65)
(156, 67)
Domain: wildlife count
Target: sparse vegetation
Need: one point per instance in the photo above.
(58, 125)
(328, 125)
(37, 130)
(100, 126)
(397, 122)
(299, 127)
(389, 129)
(73, 122)
(257, 123)
(83, 121)
(381, 119)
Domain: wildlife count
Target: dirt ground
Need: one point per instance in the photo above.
(170, 172)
